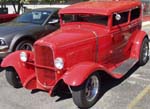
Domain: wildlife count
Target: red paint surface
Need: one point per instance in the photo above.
(103, 8)
(7, 17)
(84, 47)
(26, 72)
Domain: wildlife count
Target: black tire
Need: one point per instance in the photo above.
(144, 52)
(13, 78)
(24, 45)
(82, 95)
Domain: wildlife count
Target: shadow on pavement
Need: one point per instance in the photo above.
(1, 69)
(62, 92)
(64, 96)
(107, 83)
(36, 91)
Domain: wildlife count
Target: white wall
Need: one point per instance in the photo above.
(11, 9)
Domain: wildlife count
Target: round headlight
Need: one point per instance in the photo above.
(23, 57)
(59, 63)
(2, 42)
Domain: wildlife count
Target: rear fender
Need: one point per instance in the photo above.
(25, 71)
(76, 75)
(137, 43)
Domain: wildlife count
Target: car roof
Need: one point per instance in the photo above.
(47, 9)
(100, 7)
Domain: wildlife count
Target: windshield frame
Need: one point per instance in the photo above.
(100, 24)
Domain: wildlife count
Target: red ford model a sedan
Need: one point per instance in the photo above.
(94, 38)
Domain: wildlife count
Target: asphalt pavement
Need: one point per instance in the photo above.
(130, 92)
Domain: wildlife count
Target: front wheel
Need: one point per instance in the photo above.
(13, 78)
(144, 52)
(24, 45)
(87, 94)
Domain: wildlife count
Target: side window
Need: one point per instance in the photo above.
(54, 19)
(68, 18)
(124, 18)
(135, 13)
(55, 16)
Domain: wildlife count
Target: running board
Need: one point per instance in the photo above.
(125, 66)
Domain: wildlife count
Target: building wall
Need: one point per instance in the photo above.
(11, 9)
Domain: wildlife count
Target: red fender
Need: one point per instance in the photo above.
(76, 75)
(137, 43)
(25, 71)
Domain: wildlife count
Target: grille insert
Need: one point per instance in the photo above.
(44, 57)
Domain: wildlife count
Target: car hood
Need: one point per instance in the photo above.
(13, 28)
(72, 35)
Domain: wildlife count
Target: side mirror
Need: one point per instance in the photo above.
(53, 21)
(117, 17)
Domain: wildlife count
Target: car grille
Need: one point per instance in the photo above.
(44, 57)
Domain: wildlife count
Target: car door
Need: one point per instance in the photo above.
(135, 21)
(134, 25)
(120, 35)
(52, 24)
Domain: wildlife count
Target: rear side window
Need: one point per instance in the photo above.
(55, 15)
(124, 18)
(135, 13)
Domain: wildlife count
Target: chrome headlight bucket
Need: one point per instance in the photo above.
(23, 56)
(2, 42)
(3, 45)
(59, 63)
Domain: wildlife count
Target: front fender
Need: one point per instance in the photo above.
(17, 38)
(76, 75)
(25, 71)
(137, 43)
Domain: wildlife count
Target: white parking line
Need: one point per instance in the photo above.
(142, 78)
(138, 76)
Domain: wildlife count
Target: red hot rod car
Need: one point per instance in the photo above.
(94, 38)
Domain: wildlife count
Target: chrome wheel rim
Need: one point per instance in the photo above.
(25, 46)
(92, 88)
(145, 52)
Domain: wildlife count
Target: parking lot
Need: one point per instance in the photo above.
(131, 92)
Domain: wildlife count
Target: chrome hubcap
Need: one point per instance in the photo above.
(25, 46)
(145, 52)
(92, 88)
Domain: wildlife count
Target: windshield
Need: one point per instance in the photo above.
(97, 19)
(35, 17)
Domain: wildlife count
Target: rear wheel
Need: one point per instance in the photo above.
(87, 94)
(144, 52)
(13, 78)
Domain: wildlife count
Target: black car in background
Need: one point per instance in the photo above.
(21, 33)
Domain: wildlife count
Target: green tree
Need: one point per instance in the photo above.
(17, 4)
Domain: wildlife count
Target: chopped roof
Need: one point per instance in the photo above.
(100, 7)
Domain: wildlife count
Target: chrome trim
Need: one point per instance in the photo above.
(3, 47)
(92, 88)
